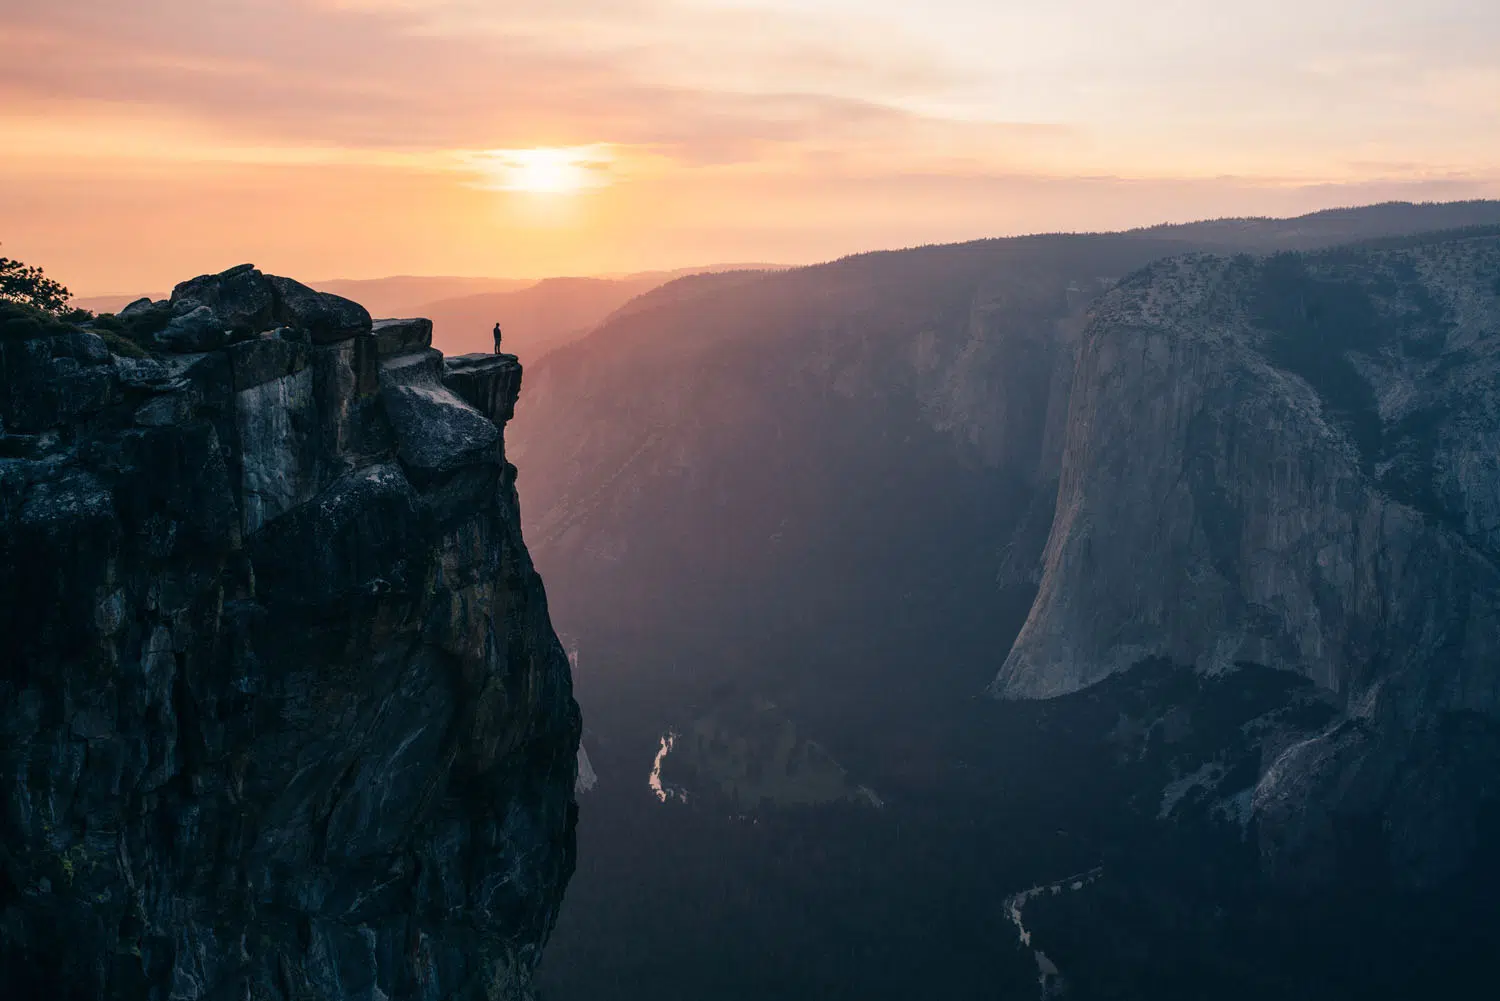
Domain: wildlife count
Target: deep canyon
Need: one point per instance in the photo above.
(1096, 615)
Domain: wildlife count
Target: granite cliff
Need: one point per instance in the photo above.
(831, 488)
(721, 453)
(1292, 462)
(282, 712)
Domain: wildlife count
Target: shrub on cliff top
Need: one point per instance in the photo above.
(123, 345)
(21, 322)
(137, 327)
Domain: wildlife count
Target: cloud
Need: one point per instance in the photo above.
(403, 75)
(1080, 86)
(778, 129)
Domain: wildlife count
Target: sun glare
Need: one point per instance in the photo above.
(556, 170)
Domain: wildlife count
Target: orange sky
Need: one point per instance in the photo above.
(144, 142)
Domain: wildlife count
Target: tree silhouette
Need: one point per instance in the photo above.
(28, 285)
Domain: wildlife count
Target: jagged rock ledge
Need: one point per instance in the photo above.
(282, 713)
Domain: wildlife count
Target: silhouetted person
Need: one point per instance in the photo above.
(497, 338)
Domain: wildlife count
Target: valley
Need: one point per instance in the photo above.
(831, 491)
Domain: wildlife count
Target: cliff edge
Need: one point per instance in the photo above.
(282, 712)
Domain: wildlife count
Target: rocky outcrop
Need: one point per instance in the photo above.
(1292, 462)
(212, 310)
(283, 712)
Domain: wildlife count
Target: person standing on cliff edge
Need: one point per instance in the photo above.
(497, 338)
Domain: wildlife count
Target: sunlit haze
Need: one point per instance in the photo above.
(562, 171)
(144, 141)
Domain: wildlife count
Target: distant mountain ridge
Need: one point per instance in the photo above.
(410, 295)
(534, 319)
(848, 301)
(545, 315)
(402, 295)
(1341, 225)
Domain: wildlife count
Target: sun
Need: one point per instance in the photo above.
(545, 170)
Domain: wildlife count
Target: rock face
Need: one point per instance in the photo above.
(283, 712)
(1293, 462)
(726, 450)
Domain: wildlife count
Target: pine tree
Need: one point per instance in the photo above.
(27, 285)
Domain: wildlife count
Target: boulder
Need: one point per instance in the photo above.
(414, 368)
(210, 311)
(202, 329)
(395, 337)
(143, 319)
(241, 298)
(437, 432)
(82, 346)
(326, 317)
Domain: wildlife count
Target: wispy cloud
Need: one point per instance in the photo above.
(741, 118)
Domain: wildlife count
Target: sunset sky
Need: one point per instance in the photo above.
(145, 141)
